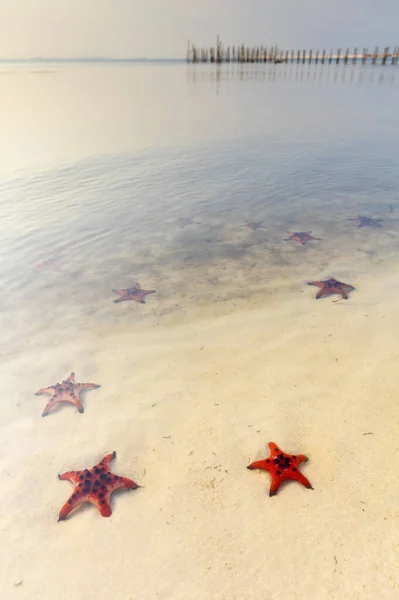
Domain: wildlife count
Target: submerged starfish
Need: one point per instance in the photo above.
(366, 221)
(133, 293)
(332, 286)
(254, 225)
(67, 391)
(300, 236)
(94, 485)
(184, 221)
(281, 466)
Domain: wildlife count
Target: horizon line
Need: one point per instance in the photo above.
(86, 59)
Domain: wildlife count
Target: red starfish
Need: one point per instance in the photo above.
(332, 286)
(94, 485)
(366, 221)
(254, 225)
(67, 391)
(300, 236)
(184, 221)
(134, 293)
(281, 466)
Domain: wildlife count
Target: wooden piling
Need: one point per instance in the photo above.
(385, 55)
(256, 54)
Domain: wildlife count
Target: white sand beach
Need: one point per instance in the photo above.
(186, 407)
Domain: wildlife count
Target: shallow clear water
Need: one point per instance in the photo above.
(99, 163)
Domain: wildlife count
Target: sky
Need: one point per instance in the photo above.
(161, 28)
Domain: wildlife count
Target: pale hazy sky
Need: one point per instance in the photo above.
(160, 28)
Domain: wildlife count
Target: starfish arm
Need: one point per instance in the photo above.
(77, 402)
(49, 391)
(50, 405)
(87, 386)
(322, 293)
(71, 378)
(121, 299)
(149, 292)
(75, 500)
(300, 478)
(319, 284)
(120, 292)
(103, 505)
(300, 458)
(70, 476)
(259, 464)
(106, 461)
(125, 482)
(274, 486)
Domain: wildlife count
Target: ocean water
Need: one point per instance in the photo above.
(112, 175)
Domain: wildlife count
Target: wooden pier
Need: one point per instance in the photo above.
(262, 54)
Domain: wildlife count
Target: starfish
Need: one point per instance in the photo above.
(94, 485)
(184, 221)
(366, 221)
(67, 391)
(281, 466)
(254, 225)
(300, 236)
(332, 286)
(133, 293)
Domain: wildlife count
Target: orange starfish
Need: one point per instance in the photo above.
(366, 221)
(254, 225)
(94, 485)
(184, 221)
(300, 236)
(332, 286)
(67, 391)
(133, 293)
(281, 466)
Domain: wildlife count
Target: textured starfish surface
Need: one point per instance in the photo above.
(67, 391)
(133, 293)
(281, 467)
(254, 225)
(94, 485)
(300, 236)
(184, 221)
(332, 286)
(366, 221)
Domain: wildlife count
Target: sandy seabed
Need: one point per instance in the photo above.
(186, 406)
